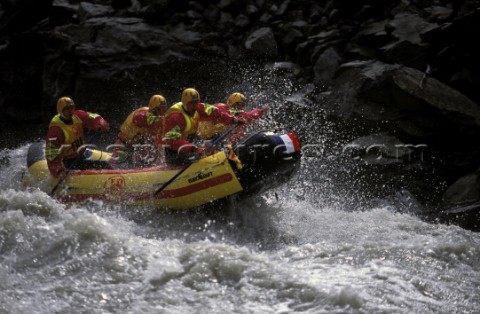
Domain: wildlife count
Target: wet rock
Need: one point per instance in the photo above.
(241, 21)
(406, 53)
(380, 149)
(409, 26)
(402, 201)
(447, 100)
(379, 91)
(465, 190)
(461, 202)
(88, 10)
(289, 68)
(327, 65)
(262, 43)
(372, 35)
(438, 13)
(452, 54)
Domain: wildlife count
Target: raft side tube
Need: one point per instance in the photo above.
(269, 159)
(36, 152)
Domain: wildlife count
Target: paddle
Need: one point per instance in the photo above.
(89, 140)
(213, 144)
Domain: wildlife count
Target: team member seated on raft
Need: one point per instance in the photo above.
(140, 137)
(65, 143)
(181, 123)
(236, 103)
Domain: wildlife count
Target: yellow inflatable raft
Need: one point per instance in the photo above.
(206, 180)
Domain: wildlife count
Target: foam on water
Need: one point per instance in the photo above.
(13, 164)
(284, 251)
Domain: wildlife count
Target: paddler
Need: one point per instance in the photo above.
(65, 143)
(181, 123)
(235, 105)
(140, 137)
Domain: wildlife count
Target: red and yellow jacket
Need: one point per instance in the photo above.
(142, 122)
(208, 129)
(180, 126)
(65, 138)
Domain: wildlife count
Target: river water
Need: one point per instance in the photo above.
(309, 246)
(293, 249)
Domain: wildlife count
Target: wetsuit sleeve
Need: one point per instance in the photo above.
(140, 119)
(149, 121)
(250, 116)
(208, 112)
(174, 126)
(92, 121)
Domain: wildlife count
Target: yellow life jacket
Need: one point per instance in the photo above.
(208, 129)
(73, 138)
(130, 130)
(190, 126)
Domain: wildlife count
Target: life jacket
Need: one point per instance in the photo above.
(130, 130)
(208, 129)
(73, 138)
(191, 123)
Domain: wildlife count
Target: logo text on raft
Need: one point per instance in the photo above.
(200, 176)
(114, 184)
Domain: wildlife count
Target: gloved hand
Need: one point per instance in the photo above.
(238, 121)
(102, 126)
(199, 150)
(265, 108)
(209, 149)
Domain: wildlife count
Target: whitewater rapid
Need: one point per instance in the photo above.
(285, 251)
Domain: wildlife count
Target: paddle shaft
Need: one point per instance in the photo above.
(71, 166)
(213, 144)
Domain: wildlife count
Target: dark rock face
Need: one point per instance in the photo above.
(404, 69)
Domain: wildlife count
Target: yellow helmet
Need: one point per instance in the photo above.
(190, 94)
(63, 102)
(157, 101)
(236, 98)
